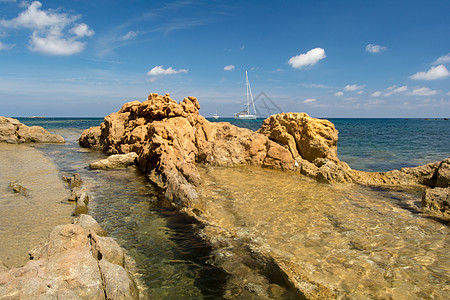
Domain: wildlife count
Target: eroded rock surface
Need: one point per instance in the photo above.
(115, 161)
(75, 263)
(14, 132)
(171, 138)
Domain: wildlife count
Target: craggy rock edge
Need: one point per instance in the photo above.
(77, 262)
(171, 138)
(14, 132)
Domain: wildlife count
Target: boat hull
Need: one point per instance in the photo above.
(245, 117)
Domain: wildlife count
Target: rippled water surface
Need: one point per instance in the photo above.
(168, 255)
(363, 243)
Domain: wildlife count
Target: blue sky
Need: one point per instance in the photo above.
(327, 58)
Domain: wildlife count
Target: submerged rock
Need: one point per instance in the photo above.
(171, 139)
(116, 161)
(18, 189)
(14, 132)
(437, 201)
(70, 265)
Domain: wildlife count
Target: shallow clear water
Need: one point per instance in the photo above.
(363, 243)
(168, 255)
(360, 242)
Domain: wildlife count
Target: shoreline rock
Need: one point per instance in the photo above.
(77, 261)
(172, 138)
(14, 132)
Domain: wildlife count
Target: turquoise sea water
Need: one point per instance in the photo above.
(173, 262)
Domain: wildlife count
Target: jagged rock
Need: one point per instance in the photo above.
(88, 222)
(65, 268)
(305, 137)
(116, 161)
(73, 181)
(437, 200)
(81, 206)
(90, 137)
(118, 282)
(443, 174)
(18, 189)
(13, 132)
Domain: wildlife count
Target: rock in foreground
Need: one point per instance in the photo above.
(75, 263)
(14, 132)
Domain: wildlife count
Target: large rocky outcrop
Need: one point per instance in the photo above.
(170, 138)
(76, 262)
(14, 132)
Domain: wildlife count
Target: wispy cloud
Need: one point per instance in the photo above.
(372, 48)
(424, 91)
(391, 91)
(437, 72)
(311, 100)
(354, 87)
(444, 59)
(5, 46)
(229, 68)
(395, 90)
(309, 58)
(339, 94)
(49, 33)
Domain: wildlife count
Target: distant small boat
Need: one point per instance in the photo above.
(245, 114)
(215, 116)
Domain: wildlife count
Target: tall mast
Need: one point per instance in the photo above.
(247, 87)
(249, 92)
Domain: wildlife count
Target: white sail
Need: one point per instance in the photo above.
(245, 114)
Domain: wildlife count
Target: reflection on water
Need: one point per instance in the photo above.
(170, 258)
(358, 241)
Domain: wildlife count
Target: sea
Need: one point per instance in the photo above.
(173, 262)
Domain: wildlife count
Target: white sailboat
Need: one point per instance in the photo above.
(245, 114)
(215, 116)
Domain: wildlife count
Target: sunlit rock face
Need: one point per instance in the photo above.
(170, 138)
(14, 132)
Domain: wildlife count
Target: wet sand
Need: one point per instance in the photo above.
(26, 220)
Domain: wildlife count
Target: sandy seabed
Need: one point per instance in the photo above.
(26, 220)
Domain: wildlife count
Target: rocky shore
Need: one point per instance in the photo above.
(172, 139)
(14, 132)
(77, 262)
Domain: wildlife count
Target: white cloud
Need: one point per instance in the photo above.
(49, 33)
(229, 68)
(438, 72)
(444, 59)
(423, 92)
(376, 94)
(307, 59)
(82, 30)
(159, 70)
(339, 94)
(34, 18)
(130, 35)
(395, 90)
(372, 48)
(353, 87)
(312, 100)
(5, 46)
(53, 43)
